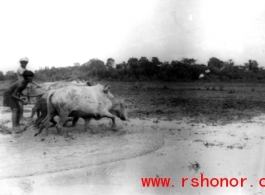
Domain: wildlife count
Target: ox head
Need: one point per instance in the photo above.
(106, 90)
(88, 83)
(119, 108)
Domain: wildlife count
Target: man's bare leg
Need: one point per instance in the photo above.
(21, 113)
(15, 121)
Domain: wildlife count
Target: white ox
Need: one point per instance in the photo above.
(44, 87)
(40, 105)
(55, 85)
(86, 102)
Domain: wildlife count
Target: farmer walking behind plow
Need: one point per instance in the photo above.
(20, 70)
(12, 99)
(12, 95)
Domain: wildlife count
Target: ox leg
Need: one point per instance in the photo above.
(45, 124)
(40, 119)
(87, 121)
(33, 111)
(51, 119)
(75, 119)
(38, 113)
(53, 122)
(62, 121)
(75, 116)
(112, 117)
(68, 120)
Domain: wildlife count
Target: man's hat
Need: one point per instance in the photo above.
(24, 59)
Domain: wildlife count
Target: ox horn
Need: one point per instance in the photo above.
(88, 82)
(126, 99)
(106, 89)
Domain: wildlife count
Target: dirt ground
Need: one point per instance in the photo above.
(175, 131)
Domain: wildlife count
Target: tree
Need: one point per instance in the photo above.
(180, 70)
(97, 67)
(122, 65)
(231, 62)
(110, 63)
(133, 63)
(228, 64)
(10, 75)
(188, 61)
(164, 72)
(176, 63)
(143, 62)
(2, 76)
(252, 65)
(216, 63)
(94, 67)
(147, 68)
(96, 64)
(155, 61)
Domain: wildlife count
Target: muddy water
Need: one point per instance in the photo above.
(110, 162)
(28, 156)
(33, 166)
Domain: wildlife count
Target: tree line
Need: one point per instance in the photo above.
(143, 69)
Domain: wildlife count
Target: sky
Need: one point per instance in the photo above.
(62, 32)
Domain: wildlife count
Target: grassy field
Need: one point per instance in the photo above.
(205, 102)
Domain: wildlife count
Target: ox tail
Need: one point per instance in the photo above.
(45, 121)
(49, 103)
(48, 99)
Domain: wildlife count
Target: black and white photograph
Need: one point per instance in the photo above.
(143, 97)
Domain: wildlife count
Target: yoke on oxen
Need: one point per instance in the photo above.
(34, 91)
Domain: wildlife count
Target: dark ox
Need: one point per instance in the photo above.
(41, 109)
(86, 102)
